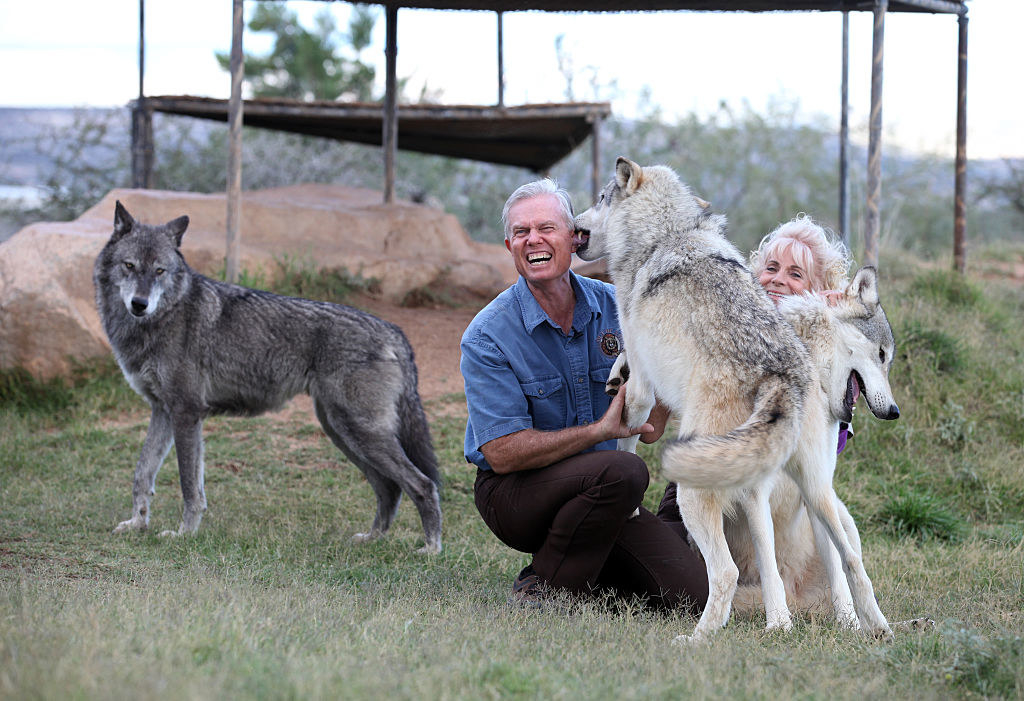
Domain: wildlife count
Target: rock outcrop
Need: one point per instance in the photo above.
(48, 316)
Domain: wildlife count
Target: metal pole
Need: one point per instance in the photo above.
(960, 201)
(872, 222)
(234, 194)
(844, 137)
(389, 139)
(501, 61)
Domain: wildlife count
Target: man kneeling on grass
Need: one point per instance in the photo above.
(542, 432)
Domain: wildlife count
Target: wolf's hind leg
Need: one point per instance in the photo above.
(762, 533)
(377, 453)
(159, 438)
(389, 495)
(702, 514)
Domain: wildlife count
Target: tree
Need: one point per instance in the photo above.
(308, 64)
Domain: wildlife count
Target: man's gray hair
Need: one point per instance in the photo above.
(546, 186)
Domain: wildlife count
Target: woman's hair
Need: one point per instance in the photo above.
(547, 186)
(814, 248)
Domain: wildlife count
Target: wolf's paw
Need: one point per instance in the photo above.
(689, 640)
(429, 549)
(883, 634)
(133, 524)
(367, 537)
(171, 534)
(616, 380)
(779, 624)
(914, 625)
(847, 619)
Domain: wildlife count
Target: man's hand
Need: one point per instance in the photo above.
(529, 449)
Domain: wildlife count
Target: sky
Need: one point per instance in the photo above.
(71, 54)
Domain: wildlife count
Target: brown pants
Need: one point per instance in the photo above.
(573, 516)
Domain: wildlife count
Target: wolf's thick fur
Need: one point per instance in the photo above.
(846, 343)
(704, 340)
(194, 347)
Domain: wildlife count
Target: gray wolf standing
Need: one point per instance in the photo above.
(195, 347)
(704, 339)
(850, 345)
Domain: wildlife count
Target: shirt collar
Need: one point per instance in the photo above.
(533, 315)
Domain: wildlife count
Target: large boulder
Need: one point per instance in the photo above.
(48, 316)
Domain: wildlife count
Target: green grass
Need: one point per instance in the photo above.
(272, 599)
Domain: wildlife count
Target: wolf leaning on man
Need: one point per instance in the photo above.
(703, 339)
(194, 347)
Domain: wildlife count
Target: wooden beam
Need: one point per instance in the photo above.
(234, 193)
(872, 222)
(960, 189)
(844, 137)
(389, 137)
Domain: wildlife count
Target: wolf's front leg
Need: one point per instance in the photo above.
(842, 599)
(637, 409)
(188, 440)
(617, 376)
(159, 438)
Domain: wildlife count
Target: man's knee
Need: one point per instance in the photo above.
(627, 473)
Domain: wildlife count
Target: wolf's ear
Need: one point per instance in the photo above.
(628, 175)
(123, 222)
(176, 228)
(864, 287)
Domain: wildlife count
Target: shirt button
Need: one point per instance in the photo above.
(580, 380)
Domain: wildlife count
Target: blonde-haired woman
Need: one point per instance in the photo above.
(801, 256)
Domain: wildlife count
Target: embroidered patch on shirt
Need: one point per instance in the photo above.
(610, 343)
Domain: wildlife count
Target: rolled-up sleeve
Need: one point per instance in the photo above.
(495, 400)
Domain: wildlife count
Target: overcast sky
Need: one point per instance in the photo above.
(72, 53)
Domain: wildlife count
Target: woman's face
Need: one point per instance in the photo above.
(782, 276)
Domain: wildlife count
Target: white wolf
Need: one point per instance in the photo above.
(704, 340)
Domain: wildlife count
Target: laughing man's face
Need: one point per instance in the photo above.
(540, 240)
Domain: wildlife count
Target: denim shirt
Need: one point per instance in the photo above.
(522, 372)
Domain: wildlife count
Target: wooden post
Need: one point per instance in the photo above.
(389, 139)
(142, 118)
(872, 223)
(234, 194)
(844, 137)
(960, 202)
(501, 62)
(595, 159)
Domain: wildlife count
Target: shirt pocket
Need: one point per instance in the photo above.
(598, 398)
(546, 399)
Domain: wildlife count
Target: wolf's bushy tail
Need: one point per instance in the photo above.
(414, 434)
(749, 452)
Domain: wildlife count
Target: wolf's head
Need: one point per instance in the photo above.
(142, 265)
(637, 202)
(864, 351)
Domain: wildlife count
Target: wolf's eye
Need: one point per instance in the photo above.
(159, 271)
(881, 355)
(129, 266)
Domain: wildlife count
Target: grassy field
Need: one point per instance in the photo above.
(272, 600)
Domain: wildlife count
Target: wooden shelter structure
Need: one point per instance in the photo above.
(390, 115)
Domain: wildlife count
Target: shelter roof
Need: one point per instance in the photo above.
(529, 136)
(934, 6)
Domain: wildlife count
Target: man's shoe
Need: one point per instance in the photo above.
(529, 590)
